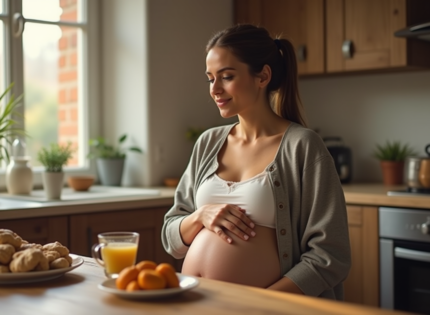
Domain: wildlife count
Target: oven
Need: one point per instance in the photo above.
(404, 239)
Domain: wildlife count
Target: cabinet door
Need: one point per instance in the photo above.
(362, 284)
(369, 27)
(147, 222)
(247, 11)
(301, 22)
(40, 230)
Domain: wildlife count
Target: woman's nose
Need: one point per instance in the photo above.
(216, 87)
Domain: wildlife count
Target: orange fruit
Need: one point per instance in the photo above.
(146, 264)
(132, 286)
(149, 279)
(126, 276)
(169, 273)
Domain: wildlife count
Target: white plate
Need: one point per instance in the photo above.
(37, 276)
(185, 282)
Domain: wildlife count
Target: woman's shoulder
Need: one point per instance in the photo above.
(297, 134)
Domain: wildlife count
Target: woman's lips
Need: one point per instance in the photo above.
(222, 102)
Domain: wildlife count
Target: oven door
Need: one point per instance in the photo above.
(405, 274)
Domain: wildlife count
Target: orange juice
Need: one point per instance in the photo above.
(117, 256)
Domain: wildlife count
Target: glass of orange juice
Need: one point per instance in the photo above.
(115, 251)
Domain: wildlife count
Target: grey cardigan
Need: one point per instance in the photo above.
(311, 219)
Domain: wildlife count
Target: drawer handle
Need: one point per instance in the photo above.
(347, 49)
(301, 53)
(37, 229)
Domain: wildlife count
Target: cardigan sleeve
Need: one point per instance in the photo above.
(324, 239)
(182, 207)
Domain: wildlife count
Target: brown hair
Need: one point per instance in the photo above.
(254, 46)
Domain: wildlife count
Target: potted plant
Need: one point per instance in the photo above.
(7, 124)
(110, 159)
(19, 176)
(53, 159)
(392, 157)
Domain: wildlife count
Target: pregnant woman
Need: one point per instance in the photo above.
(260, 202)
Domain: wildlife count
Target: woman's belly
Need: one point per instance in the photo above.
(253, 262)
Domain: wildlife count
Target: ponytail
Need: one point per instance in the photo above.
(286, 99)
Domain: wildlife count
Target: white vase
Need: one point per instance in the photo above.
(19, 176)
(53, 184)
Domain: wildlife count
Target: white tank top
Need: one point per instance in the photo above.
(255, 195)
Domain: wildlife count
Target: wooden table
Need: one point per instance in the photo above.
(76, 293)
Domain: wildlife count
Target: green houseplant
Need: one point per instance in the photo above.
(392, 157)
(8, 126)
(54, 158)
(110, 159)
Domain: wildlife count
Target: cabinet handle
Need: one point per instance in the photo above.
(301, 53)
(347, 49)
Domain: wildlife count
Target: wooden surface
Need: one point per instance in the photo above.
(362, 284)
(77, 293)
(376, 195)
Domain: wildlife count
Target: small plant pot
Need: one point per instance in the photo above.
(392, 172)
(53, 184)
(110, 171)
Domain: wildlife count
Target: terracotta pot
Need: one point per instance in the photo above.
(392, 172)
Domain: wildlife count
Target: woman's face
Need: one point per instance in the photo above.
(233, 88)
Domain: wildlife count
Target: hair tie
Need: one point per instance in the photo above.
(278, 43)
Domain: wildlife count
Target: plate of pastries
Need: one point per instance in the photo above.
(24, 262)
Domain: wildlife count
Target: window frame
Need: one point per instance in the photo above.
(88, 80)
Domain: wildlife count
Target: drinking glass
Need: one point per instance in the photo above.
(115, 251)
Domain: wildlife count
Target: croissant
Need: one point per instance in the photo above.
(29, 260)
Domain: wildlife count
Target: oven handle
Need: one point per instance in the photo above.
(411, 254)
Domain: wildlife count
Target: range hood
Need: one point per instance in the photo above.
(420, 31)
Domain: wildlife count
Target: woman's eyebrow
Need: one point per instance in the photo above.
(222, 69)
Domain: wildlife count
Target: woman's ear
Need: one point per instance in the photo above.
(264, 76)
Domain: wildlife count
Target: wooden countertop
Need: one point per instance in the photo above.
(376, 195)
(76, 293)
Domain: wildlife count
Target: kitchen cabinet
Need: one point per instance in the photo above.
(84, 229)
(343, 36)
(40, 230)
(362, 283)
(359, 34)
(302, 22)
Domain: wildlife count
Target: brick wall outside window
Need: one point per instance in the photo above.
(68, 80)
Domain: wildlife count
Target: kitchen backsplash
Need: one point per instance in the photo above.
(369, 109)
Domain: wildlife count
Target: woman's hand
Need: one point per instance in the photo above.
(220, 218)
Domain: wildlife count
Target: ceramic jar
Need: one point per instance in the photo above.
(19, 176)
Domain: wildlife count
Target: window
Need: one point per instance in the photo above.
(45, 50)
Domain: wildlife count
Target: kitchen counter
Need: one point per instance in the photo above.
(76, 293)
(115, 198)
(376, 195)
(16, 208)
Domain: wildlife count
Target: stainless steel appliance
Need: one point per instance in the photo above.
(404, 239)
(420, 31)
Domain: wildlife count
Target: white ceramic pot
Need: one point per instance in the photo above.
(19, 176)
(53, 184)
